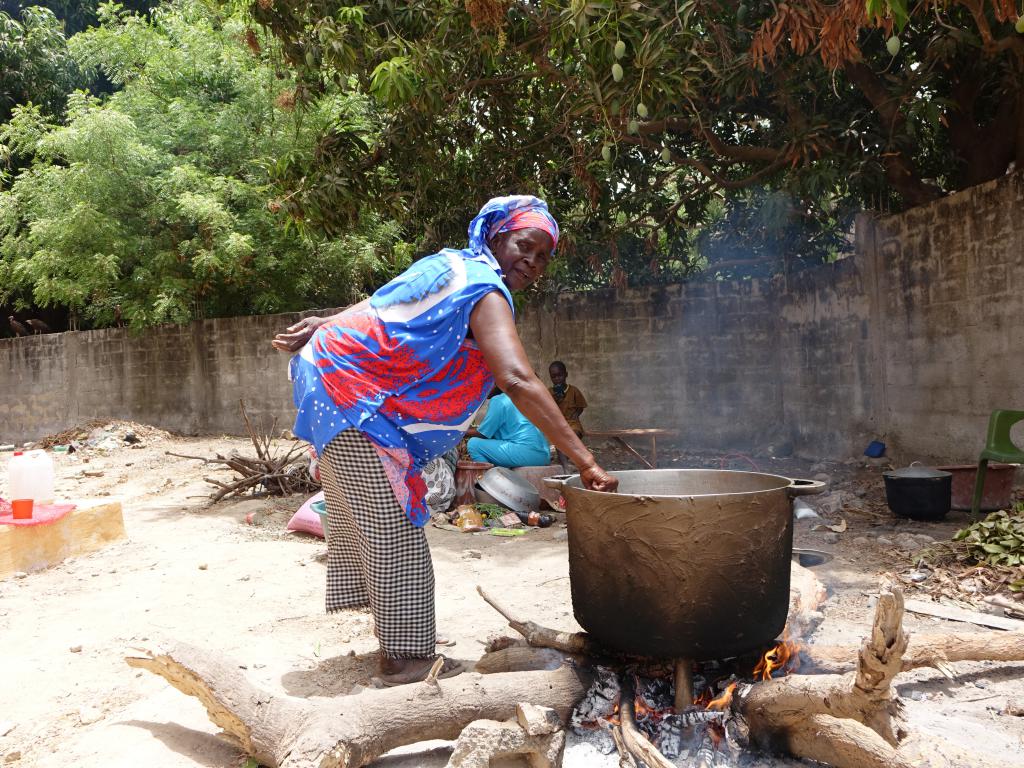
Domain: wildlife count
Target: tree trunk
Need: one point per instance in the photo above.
(352, 731)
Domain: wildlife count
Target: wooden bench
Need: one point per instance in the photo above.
(620, 436)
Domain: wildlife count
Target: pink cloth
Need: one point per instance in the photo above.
(306, 519)
(42, 514)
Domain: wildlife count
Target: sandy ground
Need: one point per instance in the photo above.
(196, 572)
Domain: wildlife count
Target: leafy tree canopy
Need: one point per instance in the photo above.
(35, 66)
(662, 132)
(152, 203)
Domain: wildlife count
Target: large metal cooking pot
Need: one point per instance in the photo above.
(683, 563)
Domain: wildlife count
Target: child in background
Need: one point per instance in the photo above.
(569, 399)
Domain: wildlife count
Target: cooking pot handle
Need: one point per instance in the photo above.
(800, 487)
(555, 481)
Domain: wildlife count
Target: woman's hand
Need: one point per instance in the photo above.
(295, 336)
(596, 479)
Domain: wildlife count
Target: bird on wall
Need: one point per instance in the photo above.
(38, 326)
(18, 328)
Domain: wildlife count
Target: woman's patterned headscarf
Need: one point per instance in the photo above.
(505, 214)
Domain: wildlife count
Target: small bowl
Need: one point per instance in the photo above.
(809, 558)
(507, 488)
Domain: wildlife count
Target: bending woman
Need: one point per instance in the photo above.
(392, 382)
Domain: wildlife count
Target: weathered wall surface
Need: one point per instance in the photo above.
(187, 379)
(913, 340)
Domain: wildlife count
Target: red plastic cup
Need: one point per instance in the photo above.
(22, 509)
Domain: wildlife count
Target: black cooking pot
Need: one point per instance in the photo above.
(920, 493)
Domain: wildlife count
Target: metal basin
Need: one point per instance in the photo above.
(683, 563)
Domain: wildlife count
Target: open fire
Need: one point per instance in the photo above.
(705, 731)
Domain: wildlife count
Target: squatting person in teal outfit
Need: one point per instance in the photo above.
(506, 438)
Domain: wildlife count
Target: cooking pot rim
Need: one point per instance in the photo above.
(576, 483)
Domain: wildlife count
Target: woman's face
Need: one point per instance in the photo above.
(523, 255)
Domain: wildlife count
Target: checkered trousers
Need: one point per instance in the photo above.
(375, 555)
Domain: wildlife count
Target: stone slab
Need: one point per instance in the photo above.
(87, 528)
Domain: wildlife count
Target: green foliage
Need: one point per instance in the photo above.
(655, 130)
(997, 540)
(153, 203)
(35, 66)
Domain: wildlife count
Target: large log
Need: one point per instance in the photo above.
(352, 731)
(931, 650)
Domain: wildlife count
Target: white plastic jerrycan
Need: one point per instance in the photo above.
(30, 476)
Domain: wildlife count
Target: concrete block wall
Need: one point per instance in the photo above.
(187, 379)
(914, 340)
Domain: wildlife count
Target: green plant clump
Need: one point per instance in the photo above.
(997, 540)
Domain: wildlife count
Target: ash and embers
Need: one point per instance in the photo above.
(705, 734)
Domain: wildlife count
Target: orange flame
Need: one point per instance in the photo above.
(723, 701)
(777, 658)
(641, 710)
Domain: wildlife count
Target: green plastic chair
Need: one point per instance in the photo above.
(998, 447)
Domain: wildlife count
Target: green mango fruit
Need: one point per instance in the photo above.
(633, 127)
(606, 153)
(1019, 26)
(892, 45)
(617, 72)
(666, 155)
(620, 49)
(641, 109)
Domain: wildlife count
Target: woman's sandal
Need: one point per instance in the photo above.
(450, 668)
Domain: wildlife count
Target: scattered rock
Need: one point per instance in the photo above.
(20, 575)
(883, 541)
(982, 683)
(202, 566)
(472, 554)
(537, 720)
(907, 542)
(89, 715)
(12, 757)
(6, 726)
(829, 503)
(830, 538)
(916, 695)
(482, 740)
(861, 541)
(924, 538)
(823, 477)
(75, 649)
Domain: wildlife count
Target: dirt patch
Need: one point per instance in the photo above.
(197, 572)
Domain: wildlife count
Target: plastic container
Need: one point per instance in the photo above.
(21, 509)
(320, 507)
(30, 476)
(998, 490)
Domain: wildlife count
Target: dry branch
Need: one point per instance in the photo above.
(276, 473)
(638, 746)
(544, 637)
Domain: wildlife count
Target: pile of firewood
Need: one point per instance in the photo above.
(844, 714)
(273, 472)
